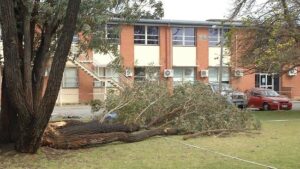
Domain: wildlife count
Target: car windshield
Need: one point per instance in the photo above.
(269, 93)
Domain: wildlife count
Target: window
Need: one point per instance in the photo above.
(75, 39)
(146, 73)
(183, 36)
(70, 78)
(105, 72)
(214, 74)
(186, 74)
(107, 33)
(146, 35)
(215, 36)
(112, 33)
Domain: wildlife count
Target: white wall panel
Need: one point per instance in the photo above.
(214, 56)
(67, 96)
(184, 56)
(102, 60)
(99, 93)
(146, 55)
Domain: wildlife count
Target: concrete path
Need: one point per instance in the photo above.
(72, 112)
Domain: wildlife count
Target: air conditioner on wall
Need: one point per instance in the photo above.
(168, 73)
(293, 72)
(128, 73)
(238, 73)
(204, 73)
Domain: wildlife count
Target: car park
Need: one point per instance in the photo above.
(232, 96)
(267, 99)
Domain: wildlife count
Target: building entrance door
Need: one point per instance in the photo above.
(267, 81)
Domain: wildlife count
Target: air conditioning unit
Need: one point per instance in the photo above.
(204, 73)
(238, 73)
(168, 73)
(128, 73)
(293, 72)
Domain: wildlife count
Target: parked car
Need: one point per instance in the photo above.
(267, 99)
(235, 97)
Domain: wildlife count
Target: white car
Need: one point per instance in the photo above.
(235, 97)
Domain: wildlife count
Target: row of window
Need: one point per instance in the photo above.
(149, 35)
(181, 75)
(181, 36)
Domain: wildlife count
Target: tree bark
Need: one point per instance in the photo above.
(8, 118)
(31, 116)
(63, 135)
(29, 141)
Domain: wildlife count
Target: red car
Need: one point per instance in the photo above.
(267, 99)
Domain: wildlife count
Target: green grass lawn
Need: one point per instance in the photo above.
(278, 145)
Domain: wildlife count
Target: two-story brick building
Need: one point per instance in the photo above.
(181, 51)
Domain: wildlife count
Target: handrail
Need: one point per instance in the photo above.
(93, 74)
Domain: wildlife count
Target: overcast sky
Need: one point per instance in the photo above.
(196, 9)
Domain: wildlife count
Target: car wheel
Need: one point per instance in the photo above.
(266, 107)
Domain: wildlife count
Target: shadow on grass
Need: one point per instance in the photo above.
(7, 150)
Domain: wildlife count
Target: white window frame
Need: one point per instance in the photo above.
(219, 37)
(227, 80)
(64, 81)
(114, 40)
(183, 77)
(146, 36)
(103, 74)
(183, 40)
(146, 76)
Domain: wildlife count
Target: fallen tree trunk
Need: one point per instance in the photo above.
(81, 135)
(96, 127)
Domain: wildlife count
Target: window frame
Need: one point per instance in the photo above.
(66, 85)
(146, 35)
(225, 69)
(220, 35)
(184, 36)
(112, 27)
(146, 76)
(104, 74)
(184, 78)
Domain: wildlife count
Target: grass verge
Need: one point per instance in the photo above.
(276, 145)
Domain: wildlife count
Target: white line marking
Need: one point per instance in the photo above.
(284, 120)
(219, 153)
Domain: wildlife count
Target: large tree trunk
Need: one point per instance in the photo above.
(29, 140)
(65, 135)
(8, 118)
(20, 112)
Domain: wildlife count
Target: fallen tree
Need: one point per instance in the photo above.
(146, 110)
(66, 135)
